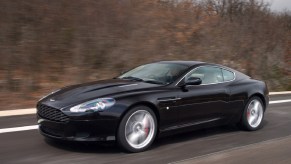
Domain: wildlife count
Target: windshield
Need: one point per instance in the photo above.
(158, 73)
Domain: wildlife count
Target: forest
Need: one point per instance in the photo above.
(48, 44)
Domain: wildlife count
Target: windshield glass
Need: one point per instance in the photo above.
(159, 73)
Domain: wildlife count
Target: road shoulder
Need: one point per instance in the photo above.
(271, 151)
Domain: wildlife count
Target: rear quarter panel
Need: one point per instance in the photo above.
(242, 90)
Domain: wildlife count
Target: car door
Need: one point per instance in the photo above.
(204, 103)
(169, 112)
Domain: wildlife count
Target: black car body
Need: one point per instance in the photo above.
(177, 105)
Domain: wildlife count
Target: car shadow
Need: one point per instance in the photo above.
(194, 135)
(113, 148)
(85, 147)
(201, 134)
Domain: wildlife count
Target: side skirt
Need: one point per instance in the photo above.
(190, 124)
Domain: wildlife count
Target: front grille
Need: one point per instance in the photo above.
(51, 113)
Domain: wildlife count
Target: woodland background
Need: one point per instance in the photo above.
(47, 44)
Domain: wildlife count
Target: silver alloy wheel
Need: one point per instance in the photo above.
(255, 113)
(139, 129)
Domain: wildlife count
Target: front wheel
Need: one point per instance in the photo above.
(253, 114)
(137, 129)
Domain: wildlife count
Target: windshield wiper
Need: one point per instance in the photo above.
(154, 81)
(132, 78)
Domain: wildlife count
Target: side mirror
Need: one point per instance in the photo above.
(193, 81)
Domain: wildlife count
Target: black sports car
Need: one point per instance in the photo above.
(153, 100)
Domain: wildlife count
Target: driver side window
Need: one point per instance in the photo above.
(208, 75)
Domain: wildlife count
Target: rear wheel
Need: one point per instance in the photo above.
(137, 129)
(253, 114)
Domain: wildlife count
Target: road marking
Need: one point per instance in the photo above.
(279, 101)
(33, 111)
(17, 112)
(17, 129)
(280, 93)
(231, 149)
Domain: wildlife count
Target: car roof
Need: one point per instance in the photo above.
(198, 63)
(187, 63)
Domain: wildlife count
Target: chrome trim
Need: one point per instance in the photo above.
(209, 83)
(127, 85)
(191, 124)
(170, 99)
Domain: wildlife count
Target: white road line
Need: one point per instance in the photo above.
(17, 112)
(279, 101)
(33, 110)
(280, 93)
(17, 129)
(231, 149)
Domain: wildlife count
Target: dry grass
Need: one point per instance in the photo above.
(45, 45)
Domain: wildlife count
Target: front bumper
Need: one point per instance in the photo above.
(79, 130)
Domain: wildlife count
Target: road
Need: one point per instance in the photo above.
(271, 144)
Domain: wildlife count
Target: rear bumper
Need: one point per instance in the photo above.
(84, 130)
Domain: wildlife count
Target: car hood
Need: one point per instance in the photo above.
(76, 94)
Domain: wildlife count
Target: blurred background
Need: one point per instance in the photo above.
(48, 44)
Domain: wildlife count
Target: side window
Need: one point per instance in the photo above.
(208, 75)
(227, 75)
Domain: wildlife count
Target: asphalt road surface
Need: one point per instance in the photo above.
(271, 144)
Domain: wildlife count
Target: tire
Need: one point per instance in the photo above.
(137, 129)
(253, 114)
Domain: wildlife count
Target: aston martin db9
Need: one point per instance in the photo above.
(152, 100)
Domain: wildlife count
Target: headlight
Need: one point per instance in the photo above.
(94, 105)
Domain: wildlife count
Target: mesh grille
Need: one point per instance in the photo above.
(52, 114)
